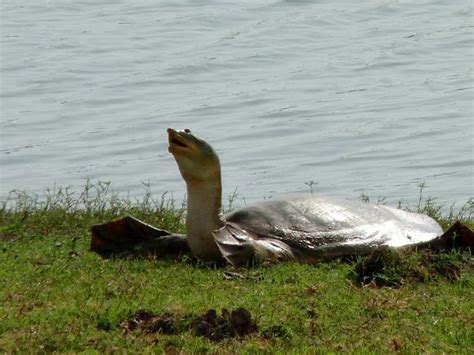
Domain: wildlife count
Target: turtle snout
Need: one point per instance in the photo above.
(172, 131)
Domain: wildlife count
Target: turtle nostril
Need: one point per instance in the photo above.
(187, 130)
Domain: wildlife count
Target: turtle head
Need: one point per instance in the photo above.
(196, 159)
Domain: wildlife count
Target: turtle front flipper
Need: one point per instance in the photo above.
(240, 247)
(129, 235)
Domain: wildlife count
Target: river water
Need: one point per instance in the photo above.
(360, 98)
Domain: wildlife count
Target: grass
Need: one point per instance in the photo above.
(56, 296)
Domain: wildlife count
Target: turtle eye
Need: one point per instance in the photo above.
(187, 130)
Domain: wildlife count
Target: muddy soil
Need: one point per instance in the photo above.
(392, 268)
(210, 325)
(148, 322)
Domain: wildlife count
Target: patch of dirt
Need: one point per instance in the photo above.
(148, 322)
(383, 267)
(229, 324)
(275, 331)
(210, 325)
(446, 265)
(396, 344)
(387, 267)
(7, 236)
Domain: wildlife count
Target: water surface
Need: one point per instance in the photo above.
(361, 98)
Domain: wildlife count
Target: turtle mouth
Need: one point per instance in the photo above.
(176, 140)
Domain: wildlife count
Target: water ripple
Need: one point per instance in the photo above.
(360, 97)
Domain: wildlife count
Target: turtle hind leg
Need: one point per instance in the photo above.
(458, 236)
(130, 236)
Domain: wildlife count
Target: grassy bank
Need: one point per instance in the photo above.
(58, 296)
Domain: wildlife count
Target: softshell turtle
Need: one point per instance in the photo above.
(306, 229)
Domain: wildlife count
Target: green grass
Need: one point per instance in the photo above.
(55, 295)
